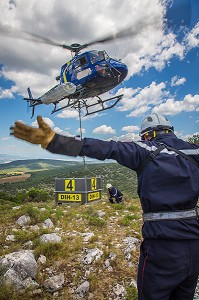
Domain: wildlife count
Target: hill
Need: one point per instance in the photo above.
(44, 171)
(36, 164)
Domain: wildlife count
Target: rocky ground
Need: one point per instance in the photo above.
(70, 252)
(196, 296)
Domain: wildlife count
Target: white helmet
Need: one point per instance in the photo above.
(108, 186)
(155, 122)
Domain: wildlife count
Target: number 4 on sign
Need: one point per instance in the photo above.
(69, 185)
(93, 183)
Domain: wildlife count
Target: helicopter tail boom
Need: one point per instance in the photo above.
(58, 92)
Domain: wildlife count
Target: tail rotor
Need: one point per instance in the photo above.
(31, 102)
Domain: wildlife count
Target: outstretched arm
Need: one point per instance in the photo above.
(125, 153)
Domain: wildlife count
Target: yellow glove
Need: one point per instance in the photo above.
(42, 135)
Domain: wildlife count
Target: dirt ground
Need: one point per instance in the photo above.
(17, 178)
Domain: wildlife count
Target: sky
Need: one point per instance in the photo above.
(162, 58)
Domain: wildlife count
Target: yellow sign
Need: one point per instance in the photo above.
(93, 183)
(69, 197)
(93, 196)
(70, 185)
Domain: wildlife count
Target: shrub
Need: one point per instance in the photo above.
(37, 195)
(131, 293)
(50, 250)
(96, 221)
(126, 220)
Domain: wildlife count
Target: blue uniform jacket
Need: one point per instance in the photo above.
(168, 183)
(115, 193)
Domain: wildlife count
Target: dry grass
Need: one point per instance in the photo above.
(109, 232)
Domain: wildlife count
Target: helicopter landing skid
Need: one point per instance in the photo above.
(100, 105)
(97, 106)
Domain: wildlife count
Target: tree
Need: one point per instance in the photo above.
(194, 139)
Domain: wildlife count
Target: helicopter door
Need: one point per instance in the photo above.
(81, 67)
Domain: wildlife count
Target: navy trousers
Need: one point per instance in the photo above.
(168, 270)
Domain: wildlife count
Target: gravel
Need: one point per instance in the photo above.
(196, 296)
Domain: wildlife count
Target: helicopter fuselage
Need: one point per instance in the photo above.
(93, 73)
(85, 76)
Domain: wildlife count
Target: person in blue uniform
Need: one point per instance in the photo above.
(168, 187)
(114, 193)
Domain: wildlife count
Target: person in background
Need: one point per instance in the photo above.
(114, 193)
(168, 186)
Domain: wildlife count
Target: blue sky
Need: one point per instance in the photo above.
(163, 65)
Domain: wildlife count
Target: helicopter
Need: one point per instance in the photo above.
(86, 76)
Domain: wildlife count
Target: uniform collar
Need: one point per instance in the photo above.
(164, 136)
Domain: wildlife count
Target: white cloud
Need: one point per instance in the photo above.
(104, 129)
(46, 120)
(172, 107)
(155, 53)
(140, 100)
(138, 112)
(177, 81)
(6, 138)
(156, 97)
(83, 130)
(6, 94)
(68, 114)
(58, 130)
(192, 38)
(39, 83)
(130, 129)
(126, 137)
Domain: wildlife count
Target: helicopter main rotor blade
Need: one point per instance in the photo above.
(130, 31)
(120, 34)
(9, 31)
(40, 39)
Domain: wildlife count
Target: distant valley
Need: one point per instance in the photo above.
(44, 171)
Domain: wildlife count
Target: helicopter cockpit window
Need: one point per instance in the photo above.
(101, 55)
(81, 68)
(105, 55)
(81, 62)
(96, 56)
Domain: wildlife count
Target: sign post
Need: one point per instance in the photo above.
(78, 190)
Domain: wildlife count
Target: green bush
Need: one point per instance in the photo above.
(96, 221)
(35, 214)
(131, 293)
(126, 220)
(20, 196)
(50, 250)
(194, 139)
(37, 195)
(6, 196)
